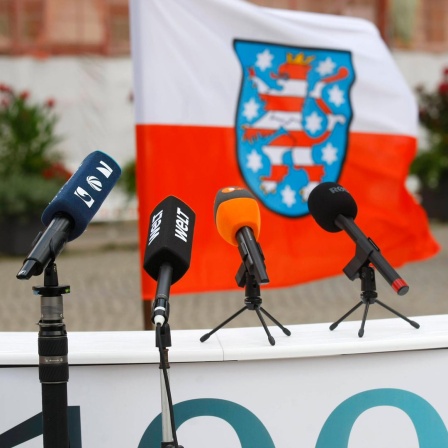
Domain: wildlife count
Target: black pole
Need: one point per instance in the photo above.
(160, 316)
(54, 415)
(53, 360)
(163, 341)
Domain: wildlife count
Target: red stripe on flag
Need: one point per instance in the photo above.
(299, 138)
(194, 162)
(282, 103)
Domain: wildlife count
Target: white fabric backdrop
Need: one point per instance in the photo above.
(94, 100)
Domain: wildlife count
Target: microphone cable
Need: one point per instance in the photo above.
(167, 384)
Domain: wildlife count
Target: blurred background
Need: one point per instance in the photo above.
(66, 83)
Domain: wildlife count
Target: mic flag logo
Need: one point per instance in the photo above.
(94, 183)
(292, 122)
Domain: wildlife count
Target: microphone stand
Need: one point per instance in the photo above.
(359, 267)
(252, 302)
(53, 361)
(161, 311)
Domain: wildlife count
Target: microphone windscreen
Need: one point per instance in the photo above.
(82, 195)
(170, 238)
(327, 201)
(235, 208)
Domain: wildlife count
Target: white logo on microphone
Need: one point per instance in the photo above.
(106, 170)
(94, 183)
(84, 196)
(155, 226)
(337, 189)
(181, 230)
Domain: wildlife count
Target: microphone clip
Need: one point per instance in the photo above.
(361, 259)
(160, 311)
(252, 257)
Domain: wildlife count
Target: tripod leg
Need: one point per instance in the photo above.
(285, 330)
(333, 326)
(412, 322)
(206, 336)
(270, 338)
(363, 323)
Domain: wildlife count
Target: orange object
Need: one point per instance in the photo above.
(297, 250)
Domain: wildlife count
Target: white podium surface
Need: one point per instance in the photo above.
(389, 386)
(236, 344)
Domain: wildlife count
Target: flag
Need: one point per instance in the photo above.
(228, 93)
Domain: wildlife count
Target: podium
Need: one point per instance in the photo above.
(236, 386)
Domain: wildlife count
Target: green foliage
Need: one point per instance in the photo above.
(127, 181)
(31, 171)
(25, 197)
(431, 164)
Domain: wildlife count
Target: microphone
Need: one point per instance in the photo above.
(237, 218)
(71, 210)
(334, 209)
(168, 252)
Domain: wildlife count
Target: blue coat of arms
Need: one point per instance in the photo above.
(292, 121)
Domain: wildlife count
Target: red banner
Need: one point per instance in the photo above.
(231, 94)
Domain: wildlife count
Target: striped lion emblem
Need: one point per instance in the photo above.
(292, 121)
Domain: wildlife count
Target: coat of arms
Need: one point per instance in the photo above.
(292, 121)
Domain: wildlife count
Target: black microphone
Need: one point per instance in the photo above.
(71, 210)
(334, 209)
(237, 218)
(168, 252)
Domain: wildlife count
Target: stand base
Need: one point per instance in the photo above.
(367, 303)
(252, 304)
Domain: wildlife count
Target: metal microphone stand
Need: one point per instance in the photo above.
(359, 267)
(252, 302)
(160, 315)
(53, 361)
(163, 340)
